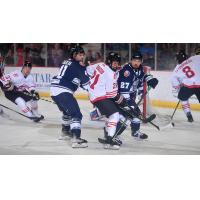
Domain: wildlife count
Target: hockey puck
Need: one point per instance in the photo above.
(173, 124)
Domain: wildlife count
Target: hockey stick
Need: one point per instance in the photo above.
(28, 94)
(175, 109)
(171, 123)
(31, 118)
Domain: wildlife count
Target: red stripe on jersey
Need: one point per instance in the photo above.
(95, 81)
(98, 99)
(191, 86)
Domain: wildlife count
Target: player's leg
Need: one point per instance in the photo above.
(135, 129)
(69, 105)
(66, 121)
(75, 126)
(108, 108)
(121, 126)
(20, 102)
(135, 123)
(34, 108)
(184, 95)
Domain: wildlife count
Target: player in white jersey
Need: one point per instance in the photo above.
(103, 93)
(186, 80)
(21, 91)
(2, 64)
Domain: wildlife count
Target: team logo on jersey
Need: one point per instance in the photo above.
(126, 73)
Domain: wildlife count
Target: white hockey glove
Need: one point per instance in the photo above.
(175, 91)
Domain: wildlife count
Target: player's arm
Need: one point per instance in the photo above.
(85, 80)
(31, 88)
(176, 84)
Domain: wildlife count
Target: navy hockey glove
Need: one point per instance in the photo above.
(35, 95)
(152, 82)
(8, 86)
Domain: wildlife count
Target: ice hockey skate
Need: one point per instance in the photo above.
(65, 133)
(111, 144)
(189, 116)
(139, 135)
(79, 142)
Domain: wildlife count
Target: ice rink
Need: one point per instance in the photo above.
(19, 135)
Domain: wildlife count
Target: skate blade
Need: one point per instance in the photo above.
(140, 139)
(77, 145)
(112, 147)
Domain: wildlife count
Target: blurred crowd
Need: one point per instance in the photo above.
(52, 54)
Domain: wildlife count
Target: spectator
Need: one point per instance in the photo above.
(20, 57)
(57, 55)
(33, 52)
(89, 57)
(10, 57)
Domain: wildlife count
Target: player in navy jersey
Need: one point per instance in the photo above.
(130, 83)
(71, 76)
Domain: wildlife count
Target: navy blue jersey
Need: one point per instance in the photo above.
(130, 80)
(71, 76)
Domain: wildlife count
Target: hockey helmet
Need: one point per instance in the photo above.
(112, 56)
(27, 64)
(76, 50)
(136, 55)
(197, 50)
(181, 56)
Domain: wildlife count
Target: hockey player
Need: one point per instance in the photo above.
(131, 80)
(19, 87)
(1, 76)
(70, 77)
(103, 93)
(186, 80)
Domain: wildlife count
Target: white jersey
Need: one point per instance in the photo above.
(103, 83)
(22, 83)
(187, 73)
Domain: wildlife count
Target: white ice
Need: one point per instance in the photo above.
(19, 135)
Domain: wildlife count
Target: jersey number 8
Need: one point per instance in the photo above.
(188, 72)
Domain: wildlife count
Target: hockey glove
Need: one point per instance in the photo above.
(8, 86)
(175, 91)
(35, 95)
(152, 82)
(120, 100)
(132, 112)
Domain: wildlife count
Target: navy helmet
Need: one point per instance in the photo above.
(76, 50)
(136, 55)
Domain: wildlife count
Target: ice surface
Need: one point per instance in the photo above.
(19, 135)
